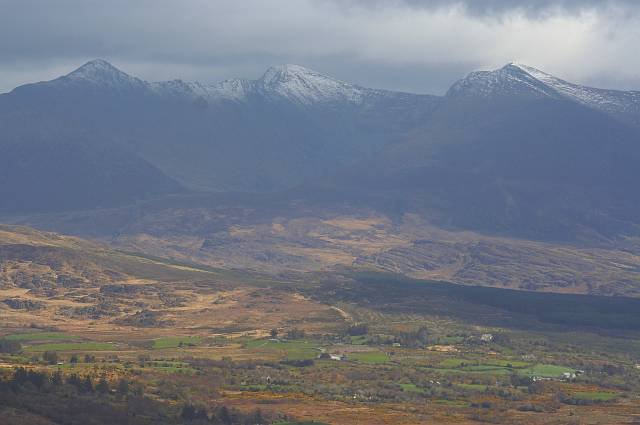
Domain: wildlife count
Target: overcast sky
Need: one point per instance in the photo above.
(412, 45)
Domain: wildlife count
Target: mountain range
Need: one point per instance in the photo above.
(292, 124)
(512, 151)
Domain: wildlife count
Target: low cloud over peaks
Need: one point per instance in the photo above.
(410, 45)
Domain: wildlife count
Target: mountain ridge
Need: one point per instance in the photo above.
(260, 135)
(288, 81)
(295, 83)
(516, 79)
(478, 157)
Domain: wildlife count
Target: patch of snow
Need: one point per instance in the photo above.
(101, 73)
(306, 86)
(506, 81)
(234, 89)
(603, 99)
(291, 83)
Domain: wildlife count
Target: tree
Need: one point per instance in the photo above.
(224, 416)
(201, 414)
(257, 417)
(51, 357)
(10, 347)
(138, 389)
(74, 380)
(73, 359)
(56, 379)
(520, 381)
(103, 386)
(188, 412)
(274, 333)
(123, 388)
(358, 329)
(19, 377)
(87, 385)
(295, 333)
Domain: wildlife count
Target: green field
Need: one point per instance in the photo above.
(595, 396)
(171, 367)
(358, 340)
(472, 387)
(452, 362)
(410, 388)
(545, 370)
(501, 367)
(451, 340)
(369, 357)
(72, 346)
(175, 342)
(39, 336)
(292, 350)
(475, 363)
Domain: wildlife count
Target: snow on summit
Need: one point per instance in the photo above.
(102, 73)
(306, 86)
(519, 79)
(607, 100)
(284, 82)
(506, 81)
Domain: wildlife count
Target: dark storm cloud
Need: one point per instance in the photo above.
(413, 45)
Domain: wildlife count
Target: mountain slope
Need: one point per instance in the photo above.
(624, 104)
(522, 80)
(50, 176)
(45, 262)
(512, 151)
(506, 153)
(290, 125)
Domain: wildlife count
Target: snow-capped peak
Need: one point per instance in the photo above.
(101, 73)
(306, 86)
(284, 82)
(607, 100)
(506, 81)
(280, 73)
(292, 83)
(523, 80)
(94, 68)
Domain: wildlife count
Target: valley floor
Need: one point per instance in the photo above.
(335, 348)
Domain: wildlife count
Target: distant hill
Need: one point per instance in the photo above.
(45, 263)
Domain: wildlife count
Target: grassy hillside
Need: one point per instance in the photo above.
(162, 341)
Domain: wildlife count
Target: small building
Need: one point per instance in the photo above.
(486, 337)
(540, 378)
(328, 356)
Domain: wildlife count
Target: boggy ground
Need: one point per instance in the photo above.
(404, 352)
(407, 245)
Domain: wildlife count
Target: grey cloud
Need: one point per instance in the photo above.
(410, 45)
(532, 8)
